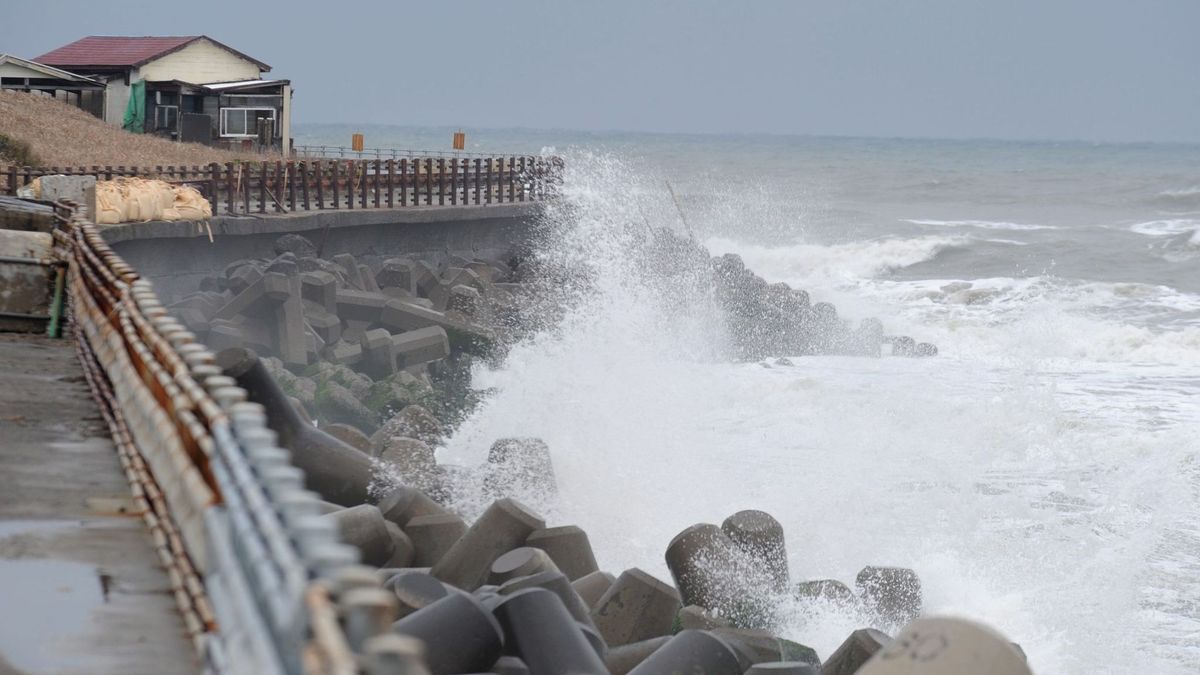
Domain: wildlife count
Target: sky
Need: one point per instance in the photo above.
(1100, 70)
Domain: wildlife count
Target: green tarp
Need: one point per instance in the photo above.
(135, 112)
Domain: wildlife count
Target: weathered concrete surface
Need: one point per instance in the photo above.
(176, 255)
(81, 589)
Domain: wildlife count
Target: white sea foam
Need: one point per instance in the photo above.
(1166, 228)
(981, 224)
(1034, 475)
(800, 263)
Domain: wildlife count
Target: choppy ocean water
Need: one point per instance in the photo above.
(1040, 474)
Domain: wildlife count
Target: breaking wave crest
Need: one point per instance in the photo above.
(804, 264)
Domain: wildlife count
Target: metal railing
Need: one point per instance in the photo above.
(250, 562)
(342, 152)
(237, 188)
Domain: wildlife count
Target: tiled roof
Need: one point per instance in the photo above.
(108, 50)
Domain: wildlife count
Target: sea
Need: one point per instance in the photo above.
(1040, 474)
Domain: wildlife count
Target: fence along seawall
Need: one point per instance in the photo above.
(252, 568)
(262, 187)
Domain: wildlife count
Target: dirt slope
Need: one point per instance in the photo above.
(59, 134)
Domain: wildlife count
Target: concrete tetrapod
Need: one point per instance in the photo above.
(942, 646)
(854, 652)
(539, 629)
(415, 590)
(625, 658)
(568, 547)
(691, 651)
(433, 535)
(593, 586)
(783, 668)
(702, 562)
(520, 562)
(391, 654)
(460, 635)
(405, 503)
(364, 528)
(894, 593)
(556, 582)
(760, 538)
(637, 607)
(336, 471)
(504, 526)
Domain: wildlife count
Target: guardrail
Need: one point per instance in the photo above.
(238, 188)
(342, 152)
(253, 569)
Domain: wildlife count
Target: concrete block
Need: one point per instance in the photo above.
(364, 528)
(854, 652)
(397, 273)
(415, 347)
(337, 404)
(465, 299)
(360, 306)
(343, 353)
(829, 590)
(377, 360)
(637, 607)
(289, 327)
(324, 324)
(510, 665)
(55, 188)
(259, 298)
(504, 526)
(193, 319)
(538, 628)
(415, 590)
(760, 539)
(594, 639)
(520, 466)
(691, 651)
(701, 561)
(299, 246)
(556, 582)
(693, 617)
(568, 547)
(368, 279)
(243, 277)
(350, 435)
(460, 634)
(939, 646)
(892, 593)
(520, 562)
(624, 658)
(399, 316)
(591, 587)
(321, 288)
(425, 277)
(433, 535)
(403, 550)
(284, 264)
(406, 503)
(760, 646)
(414, 460)
(349, 265)
(783, 668)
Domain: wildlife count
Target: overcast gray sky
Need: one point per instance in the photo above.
(1026, 69)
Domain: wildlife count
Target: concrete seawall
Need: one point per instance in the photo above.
(176, 255)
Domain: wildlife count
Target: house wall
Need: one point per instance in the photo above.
(116, 98)
(201, 62)
(285, 121)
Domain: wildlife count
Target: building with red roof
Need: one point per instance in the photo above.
(191, 88)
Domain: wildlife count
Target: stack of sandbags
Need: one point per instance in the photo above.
(130, 200)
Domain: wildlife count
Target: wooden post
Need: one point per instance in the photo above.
(487, 190)
(289, 173)
(512, 179)
(478, 162)
(277, 186)
(441, 181)
(391, 171)
(428, 181)
(334, 179)
(404, 182)
(231, 189)
(466, 192)
(302, 167)
(353, 167)
(454, 180)
(214, 181)
(12, 180)
(378, 178)
(318, 174)
(262, 187)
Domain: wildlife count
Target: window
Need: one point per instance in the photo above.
(244, 121)
(166, 117)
